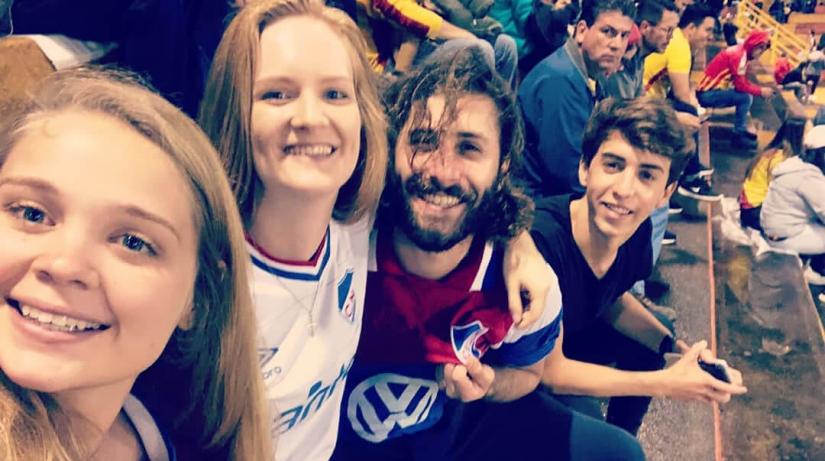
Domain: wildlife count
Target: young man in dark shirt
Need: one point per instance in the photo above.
(599, 246)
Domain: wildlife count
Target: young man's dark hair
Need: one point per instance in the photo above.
(591, 9)
(695, 14)
(647, 124)
(454, 74)
(652, 10)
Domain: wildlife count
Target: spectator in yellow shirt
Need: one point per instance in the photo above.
(786, 143)
(667, 76)
(670, 71)
(401, 33)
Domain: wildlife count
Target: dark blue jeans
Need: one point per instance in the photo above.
(693, 166)
(602, 344)
(728, 98)
(536, 426)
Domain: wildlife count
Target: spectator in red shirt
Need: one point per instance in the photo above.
(725, 83)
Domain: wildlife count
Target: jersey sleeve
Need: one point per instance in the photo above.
(410, 16)
(521, 348)
(655, 67)
(739, 77)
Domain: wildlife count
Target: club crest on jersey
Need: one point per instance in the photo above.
(465, 339)
(346, 297)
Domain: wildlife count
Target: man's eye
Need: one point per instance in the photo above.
(647, 176)
(467, 148)
(611, 166)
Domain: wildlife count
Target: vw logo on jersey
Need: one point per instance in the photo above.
(346, 297)
(388, 404)
(465, 340)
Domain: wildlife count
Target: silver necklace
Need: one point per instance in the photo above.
(297, 300)
(301, 304)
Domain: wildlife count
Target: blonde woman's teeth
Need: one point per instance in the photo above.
(57, 322)
(311, 150)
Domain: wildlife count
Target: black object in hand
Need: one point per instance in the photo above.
(718, 370)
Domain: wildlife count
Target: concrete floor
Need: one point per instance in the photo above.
(782, 417)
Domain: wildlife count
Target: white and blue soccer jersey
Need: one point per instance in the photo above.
(413, 324)
(156, 444)
(309, 318)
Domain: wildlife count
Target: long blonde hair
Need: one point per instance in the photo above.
(216, 406)
(226, 109)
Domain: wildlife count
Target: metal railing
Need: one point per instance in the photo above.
(749, 17)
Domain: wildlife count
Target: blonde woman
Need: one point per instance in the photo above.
(293, 109)
(126, 325)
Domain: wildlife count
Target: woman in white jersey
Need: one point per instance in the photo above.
(126, 324)
(292, 106)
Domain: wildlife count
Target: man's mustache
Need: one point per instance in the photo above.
(417, 186)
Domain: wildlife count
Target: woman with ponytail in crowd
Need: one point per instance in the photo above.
(786, 143)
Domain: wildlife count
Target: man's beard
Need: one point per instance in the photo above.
(473, 222)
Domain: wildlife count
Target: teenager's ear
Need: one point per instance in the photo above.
(583, 174)
(669, 190)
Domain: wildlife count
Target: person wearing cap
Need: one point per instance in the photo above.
(793, 213)
(725, 82)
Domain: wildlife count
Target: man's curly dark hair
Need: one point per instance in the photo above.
(453, 75)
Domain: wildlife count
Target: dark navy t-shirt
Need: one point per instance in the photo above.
(585, 297)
